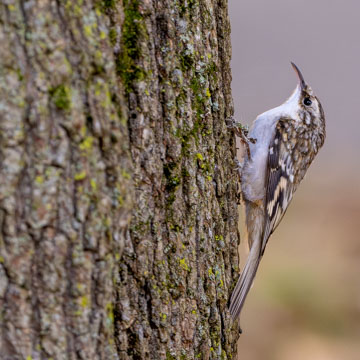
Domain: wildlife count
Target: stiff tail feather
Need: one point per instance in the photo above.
(246, 279)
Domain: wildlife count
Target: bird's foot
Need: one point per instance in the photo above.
(238, 167)
(242, 132)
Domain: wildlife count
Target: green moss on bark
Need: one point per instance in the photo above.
(61, 97)
(133, 30)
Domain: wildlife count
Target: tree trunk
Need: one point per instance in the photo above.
(118, 206)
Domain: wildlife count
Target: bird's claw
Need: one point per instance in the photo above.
(242, 132)
(238, 164)
(238, 167)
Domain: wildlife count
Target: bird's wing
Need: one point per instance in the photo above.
(280, 178)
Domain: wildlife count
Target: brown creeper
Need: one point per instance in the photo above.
(287, 139)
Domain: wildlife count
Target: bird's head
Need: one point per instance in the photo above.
(304, 103)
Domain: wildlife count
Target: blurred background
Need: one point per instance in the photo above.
(305, 303)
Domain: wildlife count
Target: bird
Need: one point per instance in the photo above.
(283, 143)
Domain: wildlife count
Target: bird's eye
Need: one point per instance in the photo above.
(307, 101)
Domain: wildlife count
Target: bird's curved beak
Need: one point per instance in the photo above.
(300, 76)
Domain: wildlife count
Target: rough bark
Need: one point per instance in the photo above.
(118, 207)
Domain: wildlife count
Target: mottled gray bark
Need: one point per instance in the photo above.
(118, 207)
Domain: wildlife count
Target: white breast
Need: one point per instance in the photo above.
(263, 130)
